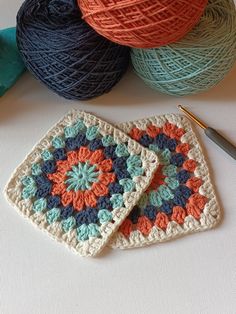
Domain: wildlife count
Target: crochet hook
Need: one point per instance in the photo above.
(222, 142)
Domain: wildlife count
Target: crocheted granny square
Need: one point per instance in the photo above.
(81, 180)
(180, 198)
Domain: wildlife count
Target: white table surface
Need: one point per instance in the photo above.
(195, 274)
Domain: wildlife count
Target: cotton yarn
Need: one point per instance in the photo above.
(197, 62)
(63, 52)
(11, 65)
(142, 23)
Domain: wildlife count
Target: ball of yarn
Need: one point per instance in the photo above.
(142, 23)
(199, 61)
(65, 53)
(11, 65)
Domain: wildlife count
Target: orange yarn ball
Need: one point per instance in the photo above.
(142, 23)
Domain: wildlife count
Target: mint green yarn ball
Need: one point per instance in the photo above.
(199, 61)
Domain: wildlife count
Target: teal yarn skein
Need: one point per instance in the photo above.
(11, 64)
(196, 63)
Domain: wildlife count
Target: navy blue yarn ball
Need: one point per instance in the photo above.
(61, 50)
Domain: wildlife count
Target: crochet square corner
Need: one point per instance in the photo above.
(180, 199)
(80, 181)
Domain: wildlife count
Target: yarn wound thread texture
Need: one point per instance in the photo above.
(199, 61)
(65, 53)
(142, 23)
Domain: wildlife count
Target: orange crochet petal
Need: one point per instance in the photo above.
(63, 166)
(178, 214)
(183, 148)
(193, 210)
(72, 158)
(78, 200)
(144, 225)
(56, 177)
(126, 227)
(84, 154)
(97, 156)
(177, 134)
(190, 165)
(106, 178)
(58, 189)
(153, 130)
(198, 200)
(136, 134)
(90, 199)
(105, 165)
(67, 198)
(99, 189)
(169, 128)
(162, 220)
(194, 184)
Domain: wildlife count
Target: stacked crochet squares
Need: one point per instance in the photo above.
(89, 184)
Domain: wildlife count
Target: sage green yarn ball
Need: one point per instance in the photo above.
(199, 61)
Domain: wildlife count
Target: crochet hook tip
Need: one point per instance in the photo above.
(192, 117)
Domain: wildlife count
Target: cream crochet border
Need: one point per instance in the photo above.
(92, 246)
(211, 213)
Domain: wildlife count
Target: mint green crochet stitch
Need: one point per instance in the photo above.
(81, 177)
(104, 215)
(92, 132)
(39, 205)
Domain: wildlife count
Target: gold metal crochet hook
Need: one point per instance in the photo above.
(217, 138)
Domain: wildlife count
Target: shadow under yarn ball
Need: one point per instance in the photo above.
(142, 23)
(197, 62)
(65, 53)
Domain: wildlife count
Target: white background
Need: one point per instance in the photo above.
(195, 274)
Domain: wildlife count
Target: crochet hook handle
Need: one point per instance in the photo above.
(221, 141)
